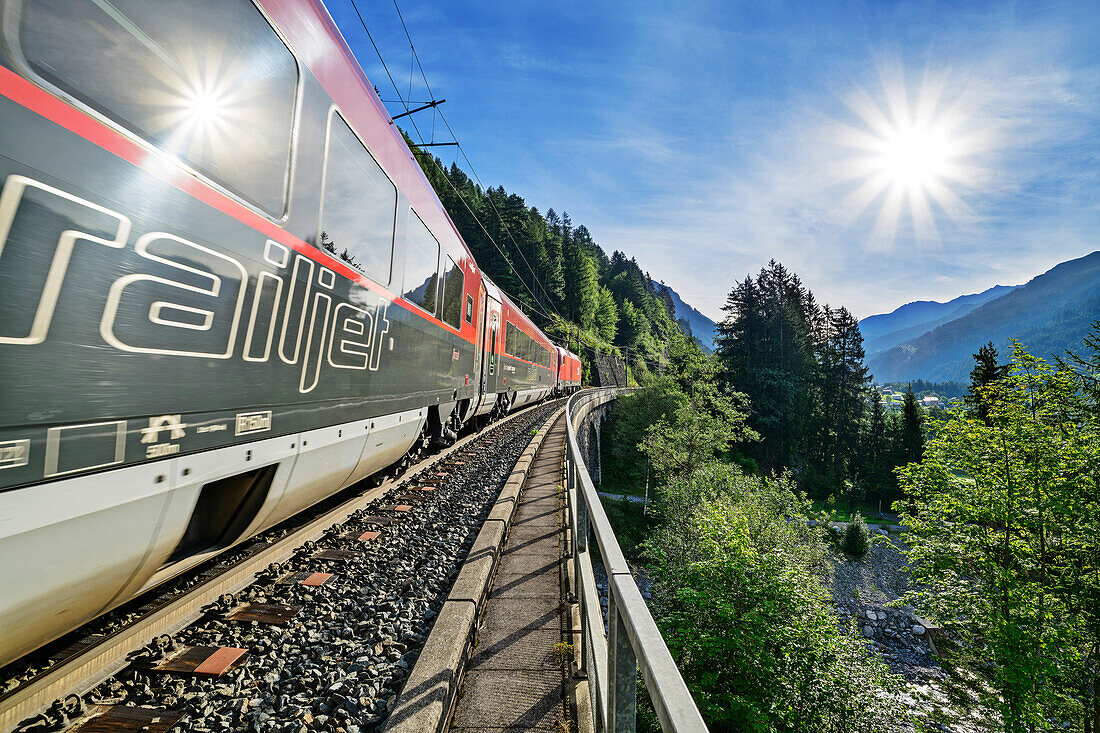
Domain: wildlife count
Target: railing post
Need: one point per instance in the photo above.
(582, 524)
(571, 504)
(612, 658)
(622, 667)
(580, 544)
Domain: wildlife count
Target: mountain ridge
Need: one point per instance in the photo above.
(1048, 314)
(886, 330)
(703, 329)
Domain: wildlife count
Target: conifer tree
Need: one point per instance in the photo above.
(607, 315)
(767, 352)
(912, 428)
(876, 448)
(581, 286)
(986, 371)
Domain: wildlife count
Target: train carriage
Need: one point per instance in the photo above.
(568, 371)
(526, 368)
(227, 291)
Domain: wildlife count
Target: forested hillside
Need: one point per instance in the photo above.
(887, 330)
(703, 330)
(557, 272)
(1048, 315)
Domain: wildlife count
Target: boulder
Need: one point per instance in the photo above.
(868, 631)
(918, 630)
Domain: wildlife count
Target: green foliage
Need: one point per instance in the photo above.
(1006, 520)
(877, 466)
(801, 367)
(582, 294)
(633, 526)
(1084, 369)
(746, 614)
(704, 419)
(556, 271)
(912, 429)
(986, 371)
(607, 315)
(739, 595)
(857, 538)
(674, 422)
(630, 417)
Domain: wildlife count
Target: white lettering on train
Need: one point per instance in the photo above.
(159, 450)
(14, 453)
(253, 422)
(172, 423)
(192, 300)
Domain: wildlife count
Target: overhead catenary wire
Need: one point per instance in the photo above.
(470, 165)
(458, 193)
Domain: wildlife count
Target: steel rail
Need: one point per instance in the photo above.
(107, 657)
(611, 659)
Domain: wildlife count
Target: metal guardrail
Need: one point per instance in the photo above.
(611, 659)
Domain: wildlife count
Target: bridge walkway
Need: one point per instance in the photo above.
(516, 677)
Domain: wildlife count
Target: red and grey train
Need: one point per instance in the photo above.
(226, 292)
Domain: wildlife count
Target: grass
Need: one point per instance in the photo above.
(610, 485)
(839, 512)
(564, 652)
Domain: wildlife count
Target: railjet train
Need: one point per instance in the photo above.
(226, 292)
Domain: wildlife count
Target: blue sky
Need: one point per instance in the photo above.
(705, 138)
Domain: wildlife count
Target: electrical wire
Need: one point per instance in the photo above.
(470, 165)
(435, 161)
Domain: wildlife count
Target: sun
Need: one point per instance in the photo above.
(912, 154)
(915, 156)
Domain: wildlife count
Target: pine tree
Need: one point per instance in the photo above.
(766, 349)
(876, 450)
(986, 371)
(841, 386)
(581, 286)
(629, 329)
(607, 315)
(912, 429)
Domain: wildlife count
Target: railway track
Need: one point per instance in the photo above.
(315, 629)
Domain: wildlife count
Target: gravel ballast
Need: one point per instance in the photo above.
(339, 664)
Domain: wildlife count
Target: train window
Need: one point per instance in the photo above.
(453, 286)
(421, 265)
(208, 81)
(358, 205)
(469, 308)
(520, 345)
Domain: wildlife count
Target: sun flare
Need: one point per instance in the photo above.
(913, 159)
(915, 156)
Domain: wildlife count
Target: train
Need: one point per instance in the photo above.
(227, 292)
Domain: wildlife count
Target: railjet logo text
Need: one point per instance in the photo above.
(253, 422)
(177, 297)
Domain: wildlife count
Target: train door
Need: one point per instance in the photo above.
(479, 367)
(490, 351)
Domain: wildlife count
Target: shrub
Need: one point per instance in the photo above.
(747, 616)
(857, 538)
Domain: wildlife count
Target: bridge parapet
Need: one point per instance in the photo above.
(610, 656)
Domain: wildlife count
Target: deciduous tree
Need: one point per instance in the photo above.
(1005, 533)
